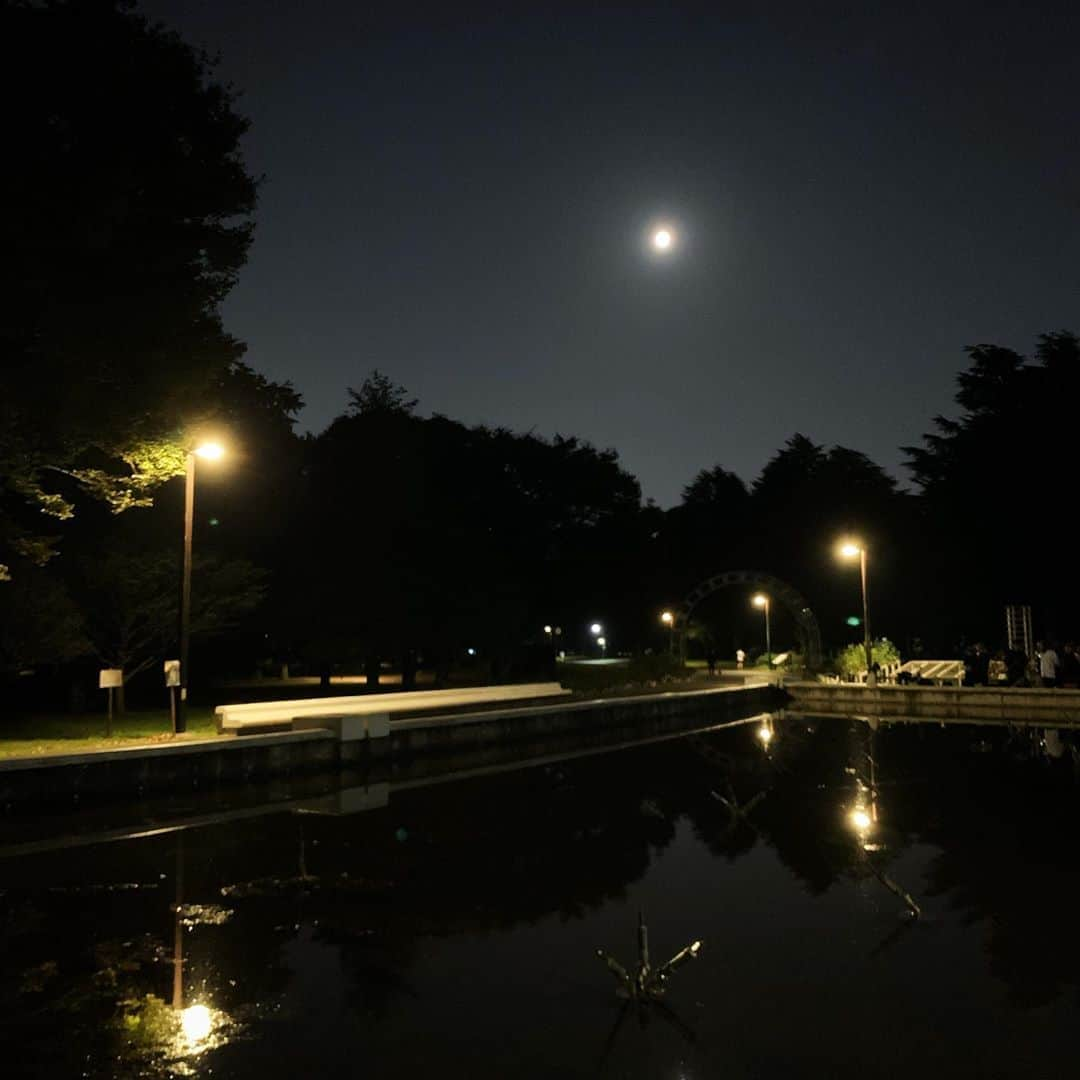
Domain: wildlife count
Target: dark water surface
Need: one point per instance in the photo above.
(452, 930)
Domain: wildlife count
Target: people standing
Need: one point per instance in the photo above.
(740, 658)
(1049, 665)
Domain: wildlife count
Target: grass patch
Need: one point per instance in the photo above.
(72, 733)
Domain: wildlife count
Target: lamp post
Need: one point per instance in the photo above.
(209, 451)
(668, 619)
(762, 601)
(851, 549)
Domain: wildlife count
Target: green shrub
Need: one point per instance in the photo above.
(852, 659)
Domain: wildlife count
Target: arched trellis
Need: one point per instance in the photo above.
(778, 591)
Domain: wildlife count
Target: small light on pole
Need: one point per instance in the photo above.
(761, 600)
(602, 642)
(852, 549)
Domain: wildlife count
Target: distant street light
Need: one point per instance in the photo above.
(668, 619)
(596, 629)
(850, 549)
(208, 451)
(762, 601)
(602, 642)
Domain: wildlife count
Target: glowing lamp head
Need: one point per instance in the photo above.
(850, 549)
(547, 630)
(761, 600)
(210, 451)
(596, 628)
(601, 641)
(860, 820)
(667, 618)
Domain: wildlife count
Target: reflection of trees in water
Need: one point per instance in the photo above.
(514, 848)
(1004, 826)
(801, 818)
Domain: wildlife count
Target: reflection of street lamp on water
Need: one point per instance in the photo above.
(860, 821)
(851, 549)
(198, 1021)
(208, 451)
(765, 732)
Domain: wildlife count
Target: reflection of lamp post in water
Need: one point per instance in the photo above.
(765, 732)
(196, 1021)
(864, 820)
(178, 928)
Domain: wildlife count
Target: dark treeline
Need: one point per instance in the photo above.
(393, 535)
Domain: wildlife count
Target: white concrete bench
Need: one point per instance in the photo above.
(365, 716)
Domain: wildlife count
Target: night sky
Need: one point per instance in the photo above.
(461, 199)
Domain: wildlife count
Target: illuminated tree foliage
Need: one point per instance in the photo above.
(128, 218)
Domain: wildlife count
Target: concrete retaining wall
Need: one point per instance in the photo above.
(206, 764)
(1044, 708)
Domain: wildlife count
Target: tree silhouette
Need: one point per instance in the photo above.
(133, 221)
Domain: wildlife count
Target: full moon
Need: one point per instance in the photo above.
(662, 239)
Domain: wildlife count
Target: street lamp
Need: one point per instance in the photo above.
(850, 549)
(602, 642)
(208, 451)
(762, 601)
(668, 619)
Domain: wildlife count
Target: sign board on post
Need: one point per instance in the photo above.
(172, 682)
(110, 679)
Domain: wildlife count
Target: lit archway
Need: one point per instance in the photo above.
(780, 592)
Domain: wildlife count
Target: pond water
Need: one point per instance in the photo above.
(453, 928)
